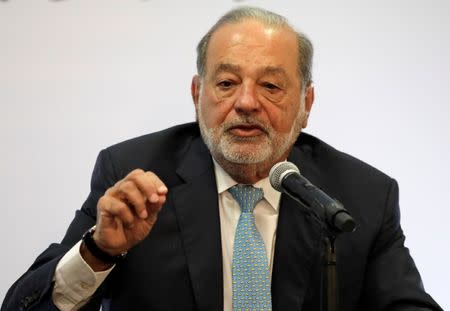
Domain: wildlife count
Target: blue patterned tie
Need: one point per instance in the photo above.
(250, 269)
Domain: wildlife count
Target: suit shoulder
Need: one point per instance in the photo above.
(169, 138)
(153, 151)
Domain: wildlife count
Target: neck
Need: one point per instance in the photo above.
(247, 173)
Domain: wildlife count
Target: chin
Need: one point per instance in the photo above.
(246, 155)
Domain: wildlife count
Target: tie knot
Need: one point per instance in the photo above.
(247, 196)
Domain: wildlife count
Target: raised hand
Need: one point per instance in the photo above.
(126, 214)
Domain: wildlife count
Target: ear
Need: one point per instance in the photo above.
(195, 89)
(309, 100)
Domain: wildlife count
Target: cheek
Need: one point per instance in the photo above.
(213, 111)
(282, 118)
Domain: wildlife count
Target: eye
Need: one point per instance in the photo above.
(225, 84)
(270, 86)
(273, 91)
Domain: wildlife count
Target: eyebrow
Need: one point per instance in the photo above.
(275, 70)
(227, 67)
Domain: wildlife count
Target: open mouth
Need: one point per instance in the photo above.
(246, 130)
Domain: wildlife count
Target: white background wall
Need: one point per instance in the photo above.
(77, 76)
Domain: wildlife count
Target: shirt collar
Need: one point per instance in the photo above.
(225, 181)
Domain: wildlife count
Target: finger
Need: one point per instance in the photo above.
(153, 211)
(154, 208)
(162, 200)
(135, 172)
(158, 184)
(129, 192)
(151, 185)
(112, 207)
(161, 188)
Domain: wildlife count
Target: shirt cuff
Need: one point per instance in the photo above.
(75, 281)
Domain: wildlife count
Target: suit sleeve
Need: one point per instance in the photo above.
(33, 290)
(392, 279)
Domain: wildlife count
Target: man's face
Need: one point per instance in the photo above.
(249, 104)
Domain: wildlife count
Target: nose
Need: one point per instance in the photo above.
(247, 102)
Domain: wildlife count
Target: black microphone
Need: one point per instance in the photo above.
(285, 177)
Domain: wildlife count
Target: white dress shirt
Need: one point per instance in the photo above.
(75, 281)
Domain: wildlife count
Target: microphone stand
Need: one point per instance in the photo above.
(329, 283)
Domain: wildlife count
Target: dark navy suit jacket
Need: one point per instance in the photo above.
(179, 265)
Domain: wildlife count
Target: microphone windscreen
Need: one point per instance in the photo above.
(279, 171)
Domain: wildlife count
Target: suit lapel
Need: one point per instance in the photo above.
(196, 205)
(298, 244)
(298, 241)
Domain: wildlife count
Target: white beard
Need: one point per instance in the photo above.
(248, 150)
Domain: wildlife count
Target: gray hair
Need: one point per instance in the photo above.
(305, 47)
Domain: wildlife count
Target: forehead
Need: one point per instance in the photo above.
(252, 45)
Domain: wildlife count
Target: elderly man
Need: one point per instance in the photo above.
(186, 219)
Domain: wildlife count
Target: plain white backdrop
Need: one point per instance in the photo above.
(78, 76)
